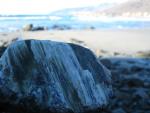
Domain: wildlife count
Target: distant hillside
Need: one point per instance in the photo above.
(134, 8)
(130, 8)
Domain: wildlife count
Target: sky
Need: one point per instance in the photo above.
(44, 6)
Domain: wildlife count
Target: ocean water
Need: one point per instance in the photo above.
(13, 23)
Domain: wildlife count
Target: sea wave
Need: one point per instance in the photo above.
(109, 19)
(74, 22)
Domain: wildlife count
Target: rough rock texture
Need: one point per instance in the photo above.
(131, 85)
(52, 76)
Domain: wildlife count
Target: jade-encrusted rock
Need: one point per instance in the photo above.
(38, 76)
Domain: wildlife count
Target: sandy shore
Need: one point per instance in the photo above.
(124, 41)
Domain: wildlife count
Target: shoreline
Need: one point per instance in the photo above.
(128, 41)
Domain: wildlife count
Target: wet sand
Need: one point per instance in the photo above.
(124, 41)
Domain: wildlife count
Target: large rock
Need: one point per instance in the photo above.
(52, 76)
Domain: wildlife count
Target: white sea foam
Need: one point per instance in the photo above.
(55, 18)
(109, 19)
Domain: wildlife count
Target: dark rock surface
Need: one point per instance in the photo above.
(45, 76)
(131, 85)
(39, 28)
(60, 27)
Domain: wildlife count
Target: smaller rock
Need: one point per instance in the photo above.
(28, 27)
(90, 28)
(116, 53)
(60, 27)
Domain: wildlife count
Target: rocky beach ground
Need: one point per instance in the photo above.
(131, 84)
(130, 77)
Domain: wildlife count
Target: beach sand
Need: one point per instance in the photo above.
(123, 41)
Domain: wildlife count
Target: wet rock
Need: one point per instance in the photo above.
(46, 76)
